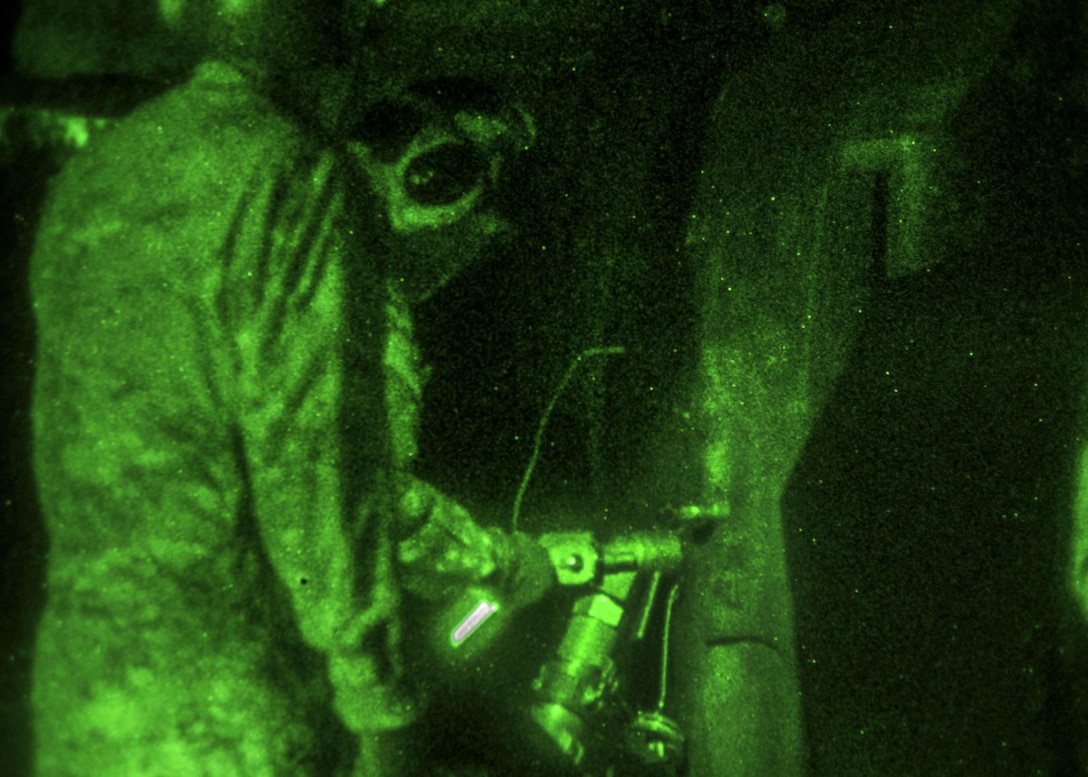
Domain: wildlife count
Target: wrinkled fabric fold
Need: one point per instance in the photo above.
(212, 450)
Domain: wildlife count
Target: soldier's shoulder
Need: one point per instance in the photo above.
(170, 173)
(217, 112)
(216, 125)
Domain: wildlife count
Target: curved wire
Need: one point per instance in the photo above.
(665, 645)
(538, 438)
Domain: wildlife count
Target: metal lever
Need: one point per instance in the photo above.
(654, 738)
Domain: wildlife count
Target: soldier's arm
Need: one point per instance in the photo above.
(316, 495)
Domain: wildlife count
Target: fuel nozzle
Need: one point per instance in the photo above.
(582, 674)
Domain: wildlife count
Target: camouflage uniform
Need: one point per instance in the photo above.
(212, 449)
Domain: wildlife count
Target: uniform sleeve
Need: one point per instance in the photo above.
(301, 353)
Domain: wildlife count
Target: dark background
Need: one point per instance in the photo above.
(927, 522)
(928, 527)
(22, 538)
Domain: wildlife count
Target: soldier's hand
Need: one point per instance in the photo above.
(449, 551)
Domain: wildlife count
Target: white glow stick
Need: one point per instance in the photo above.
(469, 624)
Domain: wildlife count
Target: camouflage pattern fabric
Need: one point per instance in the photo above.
(212, 451)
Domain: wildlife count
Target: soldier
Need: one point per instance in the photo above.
(225, 411)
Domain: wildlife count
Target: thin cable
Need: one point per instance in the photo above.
(649, 604)
(539, 437)
(665, 646)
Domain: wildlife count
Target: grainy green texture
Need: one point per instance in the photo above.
(1078, 560)
(210, 436)
(822, 177)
